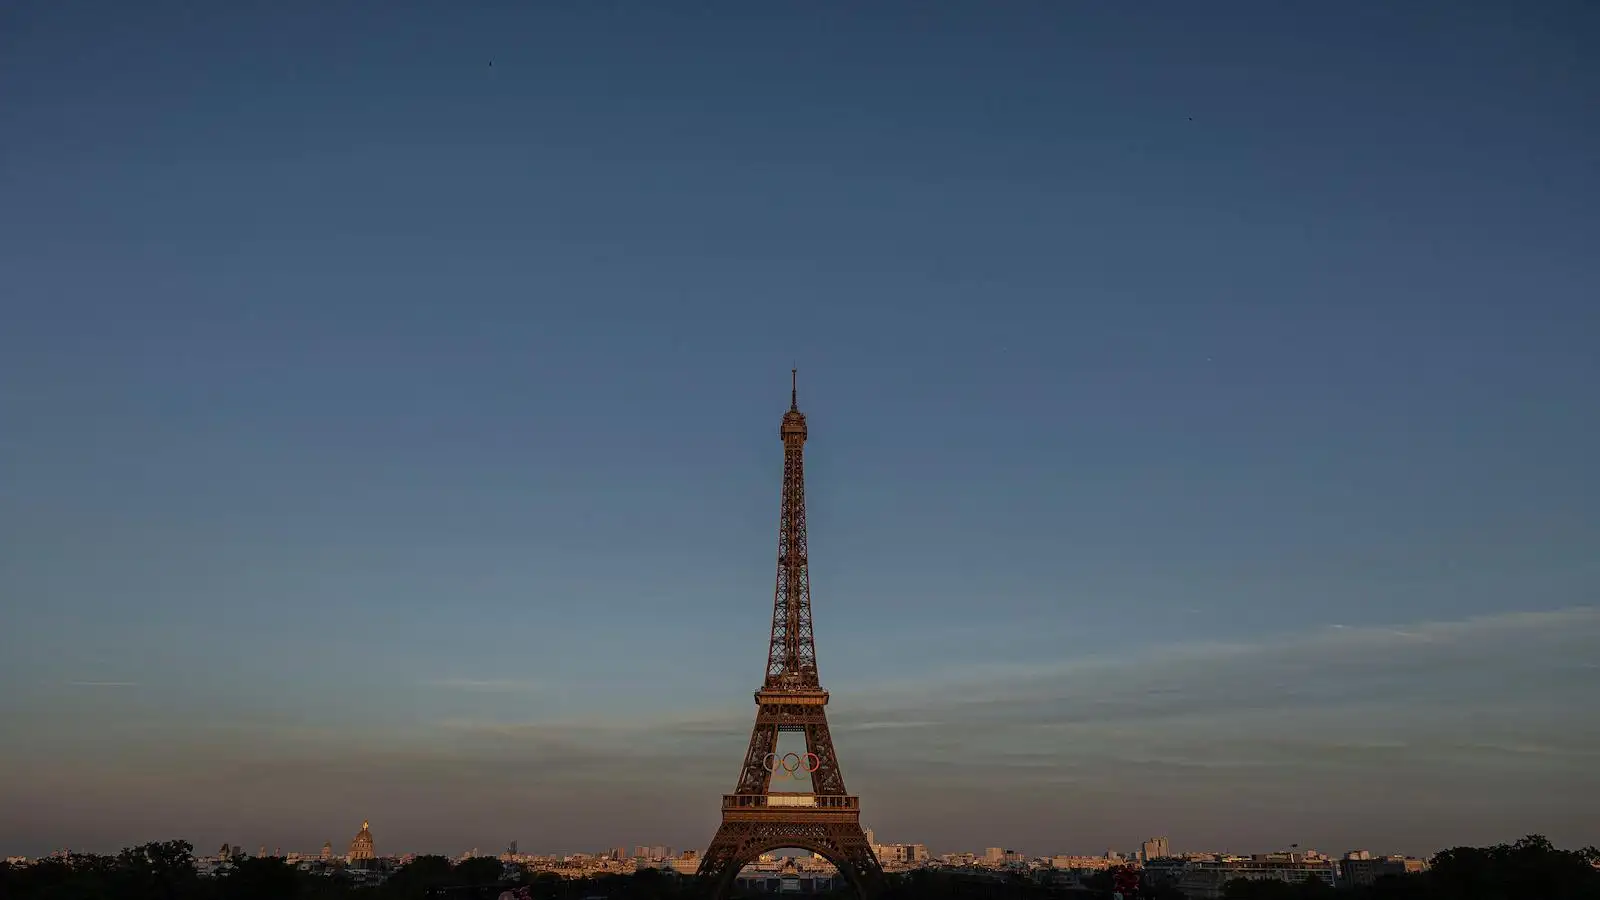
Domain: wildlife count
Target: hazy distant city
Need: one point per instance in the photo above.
(1198, 873)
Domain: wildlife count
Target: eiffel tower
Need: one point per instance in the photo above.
(756, 819)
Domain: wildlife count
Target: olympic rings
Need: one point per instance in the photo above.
(790, 764)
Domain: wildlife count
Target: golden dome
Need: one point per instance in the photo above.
(361, 846)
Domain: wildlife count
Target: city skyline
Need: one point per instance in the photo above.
(1202, 438)
(362, 847)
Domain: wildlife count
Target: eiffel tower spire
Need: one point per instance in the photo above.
(792, 654)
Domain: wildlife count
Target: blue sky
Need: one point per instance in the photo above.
(1201, 399)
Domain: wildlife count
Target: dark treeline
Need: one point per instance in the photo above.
(1530, 869)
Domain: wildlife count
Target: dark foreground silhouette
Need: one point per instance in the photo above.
(1530, 869)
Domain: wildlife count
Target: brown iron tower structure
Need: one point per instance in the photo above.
(755, 819)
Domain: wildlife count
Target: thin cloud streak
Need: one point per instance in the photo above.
(877, 726)
(1377, 724)
(1344, 644)
(489, 684)
(1361, 687)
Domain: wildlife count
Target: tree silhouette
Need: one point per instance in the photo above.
(160, 870)
(1531, 867)
(262, 878)
(1247, 889)
(415, 878)
(478, 870)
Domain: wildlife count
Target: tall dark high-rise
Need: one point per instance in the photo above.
(755, 819)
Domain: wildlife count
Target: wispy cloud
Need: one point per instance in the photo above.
(1457, 717)
(877, 725)
(485, 684)
(1317, 700)
(1290, 658)
(1418, 696)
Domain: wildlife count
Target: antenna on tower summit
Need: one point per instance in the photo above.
(794, 390)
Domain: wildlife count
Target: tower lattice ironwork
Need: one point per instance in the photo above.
(755, 819)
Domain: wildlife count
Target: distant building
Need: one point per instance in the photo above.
(1080, 862)
(901, 854)
(1363, 870)
(1155, 848)
(361, 845)
(1166, 868)
(1202, 879)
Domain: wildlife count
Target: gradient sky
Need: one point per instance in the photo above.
(1202, 400)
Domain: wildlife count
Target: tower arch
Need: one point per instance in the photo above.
(750, 852)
